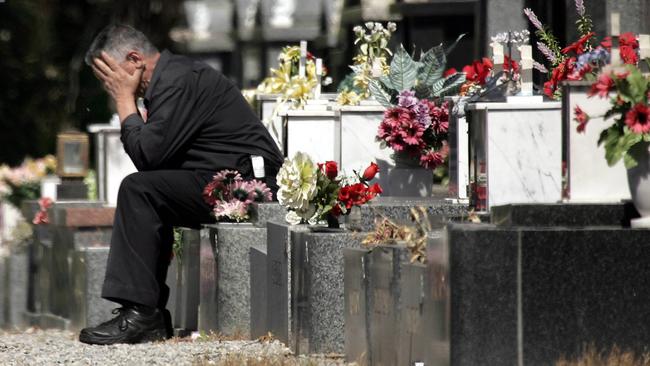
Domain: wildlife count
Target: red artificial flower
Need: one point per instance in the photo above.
(579, 46)
(628, 44)
(375, 189)
(41, 218)
(45, 202)
(581, 117)
(510, 64)
(331, 169)
(450, 72)
(336, 210)
(478, 71)
(602, 86)
(559, 74)
(370, 172)
(637, 119)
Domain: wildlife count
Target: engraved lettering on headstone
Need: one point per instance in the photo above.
(382, 301)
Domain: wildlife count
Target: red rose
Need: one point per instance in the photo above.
(370, 171)
(637, 119)
(331, 169)
(376, 189)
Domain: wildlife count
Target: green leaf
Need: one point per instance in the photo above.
(453, 45)
(637, 85)
(377, 91)
(403, 70)
(386, 81)
(451, 85)
(364, 48)
(423, 91)
(433, 65)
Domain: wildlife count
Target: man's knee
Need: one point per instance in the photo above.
(133, 182)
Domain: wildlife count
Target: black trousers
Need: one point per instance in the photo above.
(149, 205)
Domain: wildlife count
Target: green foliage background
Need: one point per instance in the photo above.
(44, 84)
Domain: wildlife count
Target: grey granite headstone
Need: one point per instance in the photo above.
(385, 271)
(398, 209)
(187, 299)
(318, 292)
(436, 309)
(207, 281)
(264, 212)
(355, 279)
(183, 282)
(281, 239)
(87, 306)
(233, 275)
(564, 214)
(530, 295)
(258, 297)
(16, 289)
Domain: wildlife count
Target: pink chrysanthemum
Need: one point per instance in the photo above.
(261, 193)
(234, 210)
(241, 190)
(213, 192)
(228, 176)
(431, 159)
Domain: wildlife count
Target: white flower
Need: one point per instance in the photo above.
(370, 25)
(392, 27)
(297, 182)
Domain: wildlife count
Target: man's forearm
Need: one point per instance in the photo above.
(125, 107)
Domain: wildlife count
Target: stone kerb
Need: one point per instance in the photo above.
(400, 209)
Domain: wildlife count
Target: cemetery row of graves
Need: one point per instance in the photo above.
(425, 214)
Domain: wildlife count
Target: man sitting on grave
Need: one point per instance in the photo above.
(196, 123)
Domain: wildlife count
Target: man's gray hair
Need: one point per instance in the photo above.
(118, 40)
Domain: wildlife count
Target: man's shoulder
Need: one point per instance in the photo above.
(181, 69)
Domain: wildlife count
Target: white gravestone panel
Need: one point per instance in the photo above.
(359, 125)
(113, 163)
(458, 149)
(316, 133)
(589, 178)
(518, 149)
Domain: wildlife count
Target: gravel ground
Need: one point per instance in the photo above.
(55, 347)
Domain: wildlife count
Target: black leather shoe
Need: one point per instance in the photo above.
(167, 317)
(131, 325)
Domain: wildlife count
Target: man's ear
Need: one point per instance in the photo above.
(137, 58)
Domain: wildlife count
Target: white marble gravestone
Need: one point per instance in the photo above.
(588, 177)
(458, 150)
(515, 153)
(359, 125)
(316, 133)
(113, 163)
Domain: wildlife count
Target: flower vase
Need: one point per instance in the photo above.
(408, 178)
(332, 222)
(638, 179)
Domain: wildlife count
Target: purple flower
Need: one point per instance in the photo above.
(533, 19)
(539, 67)
(547, 52)
(422, 113)
(407, 99)
(580, 7)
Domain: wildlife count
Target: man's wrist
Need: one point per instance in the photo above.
(125, 107)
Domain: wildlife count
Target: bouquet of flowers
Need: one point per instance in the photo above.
(24, 182)
(416, 121)
(285, 80)
(629, 108)
(371, 62)
(230, 195)
(583, 59)
(314, 192)
(479, 73)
